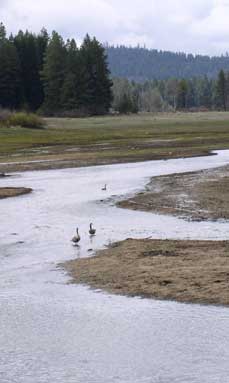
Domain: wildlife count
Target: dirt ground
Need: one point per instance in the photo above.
(185, 271)
(6, 192)
(93, 157)
(202, 195)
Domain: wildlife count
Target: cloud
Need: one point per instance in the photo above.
(198, 26)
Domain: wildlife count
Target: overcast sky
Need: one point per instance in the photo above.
(198, 26)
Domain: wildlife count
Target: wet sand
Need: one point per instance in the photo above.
(185, 271)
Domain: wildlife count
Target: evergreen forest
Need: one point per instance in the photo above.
(46, 74)
(196, 94)
(141, 64)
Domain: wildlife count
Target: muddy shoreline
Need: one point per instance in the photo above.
(182, 270)
(82, 159)
(185, 271)
(7, 192)
(198, 196)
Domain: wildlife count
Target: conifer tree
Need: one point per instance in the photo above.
(125, 104)
(9, 72)
(190, 95)
(221, 91)
(42, 40)
(29, 66)
(205, 92)
(98, 83)
(182, 94)
(70, 95)
(53, 74)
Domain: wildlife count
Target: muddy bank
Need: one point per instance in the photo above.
(185, 271)
(6, 192)
(202, 195)
(95, 157)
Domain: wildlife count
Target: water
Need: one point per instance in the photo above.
(54, 332)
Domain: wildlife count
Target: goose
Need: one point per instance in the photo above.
(105, 187)
(91, 230)
(76, 237)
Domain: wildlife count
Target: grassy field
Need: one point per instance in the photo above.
(78, 142)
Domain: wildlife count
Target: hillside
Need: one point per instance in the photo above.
(142, 64)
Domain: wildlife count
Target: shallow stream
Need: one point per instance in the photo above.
(53, 332)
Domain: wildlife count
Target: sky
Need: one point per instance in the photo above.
(192, 26)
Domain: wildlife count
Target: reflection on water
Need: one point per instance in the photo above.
(54, 332)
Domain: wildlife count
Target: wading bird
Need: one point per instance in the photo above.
(76, 237)
(91, 230)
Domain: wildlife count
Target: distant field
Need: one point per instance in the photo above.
(76, 142)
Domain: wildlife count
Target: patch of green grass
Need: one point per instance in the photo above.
(193, 131)
(25, 120)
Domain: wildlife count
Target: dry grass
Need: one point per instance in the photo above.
(186, 271)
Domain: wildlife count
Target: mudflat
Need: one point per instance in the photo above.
(185, 271)
(6, 192)
(202, 195)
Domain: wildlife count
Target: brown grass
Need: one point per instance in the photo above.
(185, 271)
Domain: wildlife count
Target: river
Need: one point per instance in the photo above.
(55, 332)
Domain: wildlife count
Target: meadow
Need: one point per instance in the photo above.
(68, 142)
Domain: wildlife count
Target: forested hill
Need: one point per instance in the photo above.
(142, 64)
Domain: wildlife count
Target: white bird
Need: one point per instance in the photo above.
(91, 230)
(105, 187)
(76, 237)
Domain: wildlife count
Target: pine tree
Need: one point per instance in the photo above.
(221, 91)
(26, 44)
(98, 83)
(42, 40)
(70, 95)
(125, 104)
(9, 72)
(227, 90)
(190, 95)
(53, 74)
(205, 92)
(182, 92)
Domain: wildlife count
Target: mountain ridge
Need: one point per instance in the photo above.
(141, 64)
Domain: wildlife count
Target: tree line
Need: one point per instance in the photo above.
(42, 72)
(141, 64)
(201, 93)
